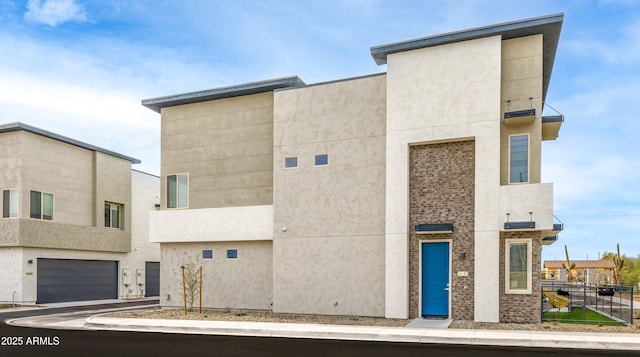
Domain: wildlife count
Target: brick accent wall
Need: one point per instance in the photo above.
(441, 190)
(518, 308)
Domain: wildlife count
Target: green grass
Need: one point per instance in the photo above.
(576, 316)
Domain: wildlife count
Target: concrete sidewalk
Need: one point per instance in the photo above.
(604, 341)
(423, 332)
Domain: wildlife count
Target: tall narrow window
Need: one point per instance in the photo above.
(113, 215)
(178, 191)
(41, 205)
(517, 264)
(10, 203)
(518, 158)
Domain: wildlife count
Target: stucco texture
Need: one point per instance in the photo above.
(226, 147)
(242, 283)
(442, 94)
(329, 220)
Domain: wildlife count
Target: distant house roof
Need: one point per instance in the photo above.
(156, 104)
(580, 264)
(17, 126)
(549, 26)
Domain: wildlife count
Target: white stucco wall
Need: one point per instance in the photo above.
(439, 94)
(145, 194)
(242, 283)
(11, 275)
(245, 223)
(519, 200)
(328, 248)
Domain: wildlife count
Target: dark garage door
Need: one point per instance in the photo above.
(152, 279)
(61, 280)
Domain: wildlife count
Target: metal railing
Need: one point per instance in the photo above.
(613, 301)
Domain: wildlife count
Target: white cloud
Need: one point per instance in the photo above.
(624, 50)
(54, 12)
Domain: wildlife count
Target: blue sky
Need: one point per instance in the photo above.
(80, 68)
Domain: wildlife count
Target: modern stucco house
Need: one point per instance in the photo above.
(414, 192)
(74, 224)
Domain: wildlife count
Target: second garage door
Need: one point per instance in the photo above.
(61, 280)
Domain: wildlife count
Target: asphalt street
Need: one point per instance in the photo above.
(23, 341)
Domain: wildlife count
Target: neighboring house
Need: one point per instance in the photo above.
(589, 271)
(414, 192)
(74, 223)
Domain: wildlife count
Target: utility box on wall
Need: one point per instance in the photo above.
(126, 277)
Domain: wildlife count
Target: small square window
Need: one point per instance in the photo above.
(322, 159)
(207, 254)
(290, 162)
(232, 254)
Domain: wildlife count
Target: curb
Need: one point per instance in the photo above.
(548, 339)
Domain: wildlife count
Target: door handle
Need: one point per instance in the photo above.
(446, 289)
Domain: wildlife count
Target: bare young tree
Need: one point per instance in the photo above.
(191, 283)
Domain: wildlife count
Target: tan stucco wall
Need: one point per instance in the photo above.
(81, 181)
(64, 170)
(521, 80)
(329, 220)
(226, 147)
(113, 184)
(10, 160)
(78, 242)
(45, 234)
(442, 94)
(243, 283)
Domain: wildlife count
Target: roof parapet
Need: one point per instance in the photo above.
(17, 126)
(549, 26)
(156, 104)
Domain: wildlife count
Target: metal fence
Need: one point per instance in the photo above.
(613, 301)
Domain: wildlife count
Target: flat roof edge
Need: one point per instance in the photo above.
(355, 78)
(18, 126)
(156, 104)
(511, 29)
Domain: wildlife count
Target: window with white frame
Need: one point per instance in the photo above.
(518, 266)
(178, 191)
(10, 203)
(113, 213)
(41, 205)
(232, 254)
(519, 158)
(290, 162)
(321, 160)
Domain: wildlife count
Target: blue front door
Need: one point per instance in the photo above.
(435, 279)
